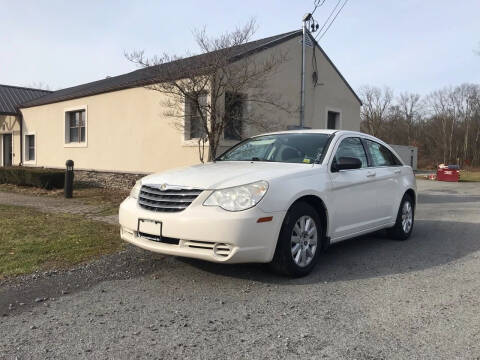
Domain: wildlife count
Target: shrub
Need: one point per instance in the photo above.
(42, 178)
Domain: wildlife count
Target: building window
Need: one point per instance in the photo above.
(30, 147)
(234, 111)
(194, 127)
(75, 126)
(333, 120)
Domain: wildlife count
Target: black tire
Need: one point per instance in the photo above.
(397, 232)
(283, 261)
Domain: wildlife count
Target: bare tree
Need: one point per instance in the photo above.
(375, 109)
(444, 125)
(438, 103)
(204, 92)
(409, 104)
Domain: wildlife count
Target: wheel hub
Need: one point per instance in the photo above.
(407, 217)
(304, 240)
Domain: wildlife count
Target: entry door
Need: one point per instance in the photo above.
(353, 193)
(7, 149)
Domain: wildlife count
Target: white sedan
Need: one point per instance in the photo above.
(279, 198)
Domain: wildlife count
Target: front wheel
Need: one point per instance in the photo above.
(300, 241)
(405, 218)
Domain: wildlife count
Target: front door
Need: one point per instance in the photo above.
(353, 194)
(7, 150)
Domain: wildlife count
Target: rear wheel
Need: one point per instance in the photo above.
(300, 241)
(405, 218)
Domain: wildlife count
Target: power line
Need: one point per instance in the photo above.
(320, 34)
(328, 18)
(317, 4)
(333, 20)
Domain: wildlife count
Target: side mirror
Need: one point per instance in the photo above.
(346, 163)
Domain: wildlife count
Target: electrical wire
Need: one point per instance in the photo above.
(314, 66)
(328, 18)
(317, 4)
(328, 27)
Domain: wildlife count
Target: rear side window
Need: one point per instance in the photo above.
(381, 156)
(351, 147)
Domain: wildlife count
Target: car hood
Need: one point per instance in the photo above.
(225, 174)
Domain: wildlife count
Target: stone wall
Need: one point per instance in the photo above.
(108, 180)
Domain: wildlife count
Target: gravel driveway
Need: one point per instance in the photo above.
(370, 298)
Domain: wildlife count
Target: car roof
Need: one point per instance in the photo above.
(317, 131)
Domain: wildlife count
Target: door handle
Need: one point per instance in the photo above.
(397, 171)
(371, 174)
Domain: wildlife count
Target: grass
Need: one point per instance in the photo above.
(32, 240)
(107, 201)
(470, 175)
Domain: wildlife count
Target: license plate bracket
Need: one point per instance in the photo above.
(150, 229)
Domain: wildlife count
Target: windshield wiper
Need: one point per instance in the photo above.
(251, 159)
(258, 159)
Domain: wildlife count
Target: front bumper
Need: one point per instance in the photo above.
(206, 232)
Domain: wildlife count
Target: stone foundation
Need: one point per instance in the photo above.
(108, 180)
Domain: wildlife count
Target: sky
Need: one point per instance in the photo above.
(416, 46)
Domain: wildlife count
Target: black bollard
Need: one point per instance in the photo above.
(68, 187)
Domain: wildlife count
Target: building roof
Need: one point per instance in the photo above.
(147, 76)
(159, 73)
(11, 97)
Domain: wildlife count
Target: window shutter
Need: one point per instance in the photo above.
(186, 120)
(67, 128)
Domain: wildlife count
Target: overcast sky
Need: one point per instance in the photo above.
(409, 45)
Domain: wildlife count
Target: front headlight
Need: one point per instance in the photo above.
(239, 197)
(136, 190)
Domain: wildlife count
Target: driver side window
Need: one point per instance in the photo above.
(351, 147)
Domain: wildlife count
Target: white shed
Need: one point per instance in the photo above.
(409, 154)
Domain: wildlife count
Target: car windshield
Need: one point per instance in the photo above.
(288, 148)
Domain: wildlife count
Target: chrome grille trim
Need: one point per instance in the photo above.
(176, 192)
(163, 198)
(169, 200)
(152, 204)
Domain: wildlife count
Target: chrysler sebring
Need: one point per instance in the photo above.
(280, 198)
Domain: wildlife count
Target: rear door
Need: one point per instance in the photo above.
(387, 169)
(353, 195)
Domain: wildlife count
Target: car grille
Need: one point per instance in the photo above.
(171, 200)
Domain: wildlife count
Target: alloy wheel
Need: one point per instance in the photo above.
(407, 217)
(304, 241)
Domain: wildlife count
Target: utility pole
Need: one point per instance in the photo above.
(306, 18)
